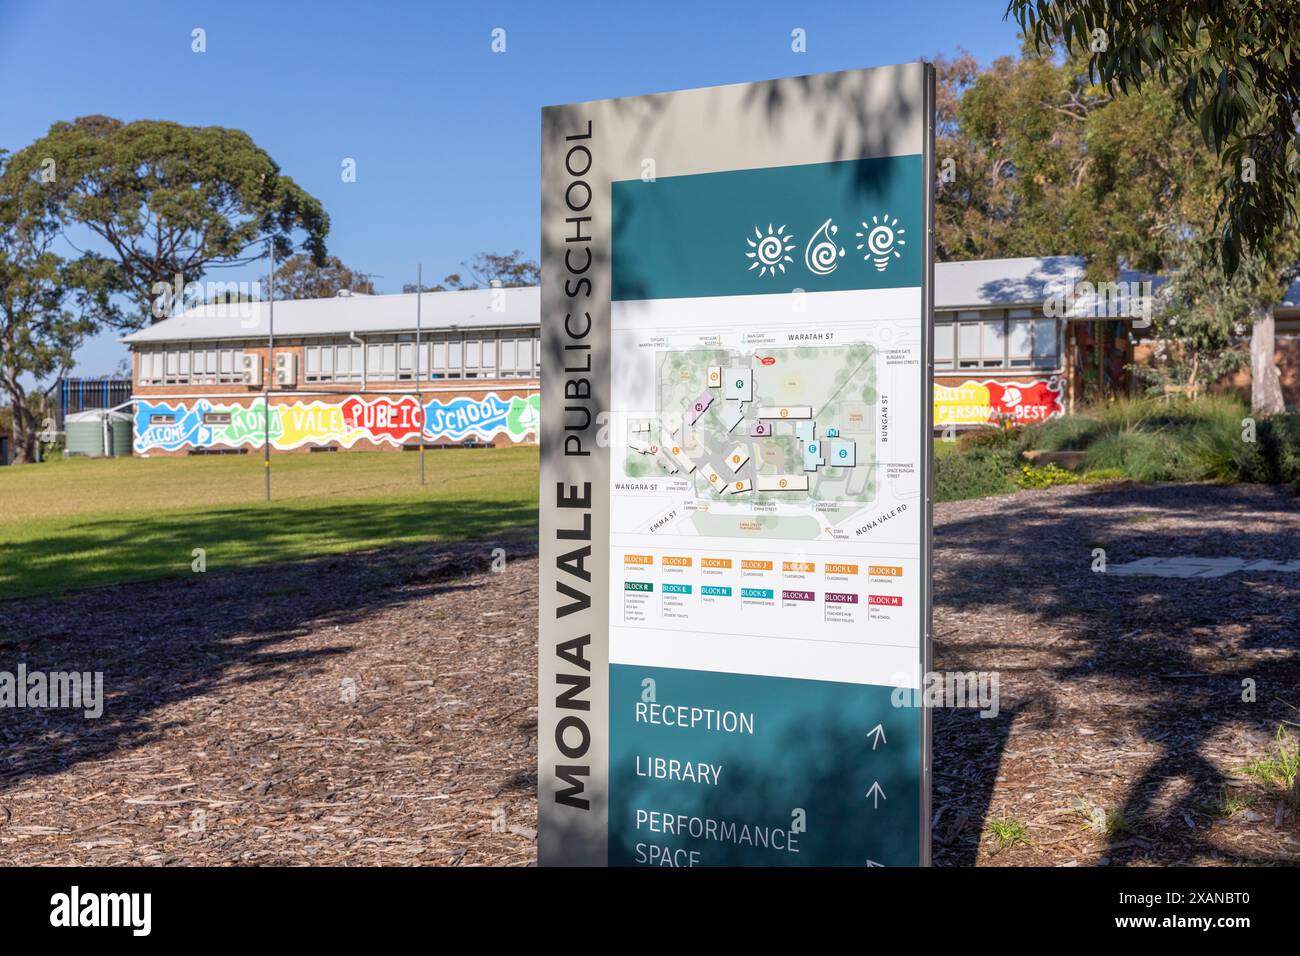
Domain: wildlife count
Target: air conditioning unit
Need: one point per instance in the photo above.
(250, 371)
(286, 368)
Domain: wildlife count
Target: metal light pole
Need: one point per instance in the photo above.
(419, 296)
(270, 371)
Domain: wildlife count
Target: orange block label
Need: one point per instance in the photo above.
(885, 571)
(748, 565)
(801, 566)
(715, 562)
(638, 559)
(675, 562)
(841, 569)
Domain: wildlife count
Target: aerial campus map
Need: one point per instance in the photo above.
(778, 439)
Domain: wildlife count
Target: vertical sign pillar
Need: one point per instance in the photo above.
(735, 479)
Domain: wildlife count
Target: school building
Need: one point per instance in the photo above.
(340, 373)
(1014, 341)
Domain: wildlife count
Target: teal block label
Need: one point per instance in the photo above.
(677, 589)
(713, 769)
(855, 224)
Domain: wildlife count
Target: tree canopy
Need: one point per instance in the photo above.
(1045, 158)
(171, 200)
(508, 270)
(48, 304)
(1045, 162)
(301, 277)
(1234, 66)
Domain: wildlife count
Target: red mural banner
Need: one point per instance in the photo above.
(395, 419)
(990, 401)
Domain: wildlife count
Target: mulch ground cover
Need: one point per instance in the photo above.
(381, 708)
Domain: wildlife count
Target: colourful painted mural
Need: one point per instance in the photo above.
(202, 423)
(982, 403)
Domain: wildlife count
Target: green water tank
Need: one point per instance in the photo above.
(84, 432)
(121, 432)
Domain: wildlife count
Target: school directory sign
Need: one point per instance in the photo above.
(735, 505)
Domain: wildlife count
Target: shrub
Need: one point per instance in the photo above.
(1143, 456)
(1068, 433)
(1002, 438)
(1103, 474)
(1143, 439)
(1278, 441)
(1045, 477)
(1183, 440)
(975, 473)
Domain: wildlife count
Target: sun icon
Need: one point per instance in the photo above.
(881, 239)
(770, 252)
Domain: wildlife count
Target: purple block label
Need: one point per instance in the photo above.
(699, 407)
(840, 597)
(797, 596)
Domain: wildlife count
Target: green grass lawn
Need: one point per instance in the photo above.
(77, 523)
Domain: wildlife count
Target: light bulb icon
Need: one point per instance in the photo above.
(881, 239)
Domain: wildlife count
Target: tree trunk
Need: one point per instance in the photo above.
(1265, 380)
(24, 422)
(25, 436)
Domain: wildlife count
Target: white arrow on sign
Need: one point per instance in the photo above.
(877, 794)
(878, 732)
(874, 863)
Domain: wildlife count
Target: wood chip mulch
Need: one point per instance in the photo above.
(366, 709)
(381, 708)
(1123, 726)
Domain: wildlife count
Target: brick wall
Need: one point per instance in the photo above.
(1286, 352)
(310, 426)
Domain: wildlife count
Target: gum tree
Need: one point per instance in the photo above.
(510, 270)
(170, 200)
(1234, 66)
(301, 277)
(48, 304)
(1046, 162)
(1015, 135)
(1063, 156)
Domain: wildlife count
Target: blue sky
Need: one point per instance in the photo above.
(444, 132)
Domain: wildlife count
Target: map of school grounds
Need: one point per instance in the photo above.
(772, 430)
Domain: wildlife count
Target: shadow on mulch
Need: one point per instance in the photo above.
(1154, 666)
(1177, 652)
(169, 640)
(958, 824)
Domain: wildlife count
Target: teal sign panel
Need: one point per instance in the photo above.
(819, 227)
(743, 770)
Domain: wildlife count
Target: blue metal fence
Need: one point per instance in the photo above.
(85, 394)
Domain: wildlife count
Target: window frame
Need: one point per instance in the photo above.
(502, 353)
(978, 357)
